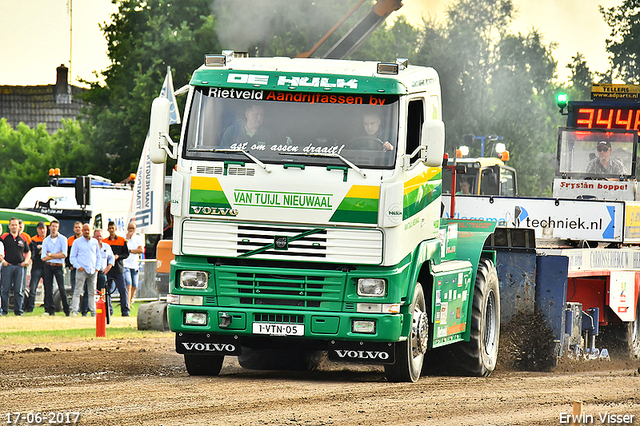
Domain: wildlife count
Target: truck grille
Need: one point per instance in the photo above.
(279, 318)
(256, 241)
(297, 289)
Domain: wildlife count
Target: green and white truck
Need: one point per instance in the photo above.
(299, 231)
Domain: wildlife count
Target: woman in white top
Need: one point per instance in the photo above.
(131, 263)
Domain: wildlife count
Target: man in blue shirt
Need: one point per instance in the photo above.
(54, 251)
(84, 257)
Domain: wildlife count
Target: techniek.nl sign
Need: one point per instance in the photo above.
(550, 218)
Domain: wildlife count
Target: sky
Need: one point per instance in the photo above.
(35, 36)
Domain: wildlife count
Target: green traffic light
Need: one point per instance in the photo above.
(562, 100)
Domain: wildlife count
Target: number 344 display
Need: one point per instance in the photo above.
(41, 417)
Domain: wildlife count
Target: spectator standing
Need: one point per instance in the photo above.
(37, 266)
(84, 258)
(105, 263)
(132, 263)
(121, 252)
(27, 238)
(16, 258)
(84, 302)
(54, 248)
(1, 262)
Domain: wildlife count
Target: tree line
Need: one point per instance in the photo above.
(494, 81)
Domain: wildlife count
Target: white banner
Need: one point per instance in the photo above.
(550, 218)
(594, 189)
(147, 208)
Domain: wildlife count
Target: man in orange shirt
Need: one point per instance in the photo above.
(121, 252)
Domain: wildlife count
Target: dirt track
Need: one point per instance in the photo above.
(144, 382)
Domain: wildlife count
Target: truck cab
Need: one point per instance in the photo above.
(306, 204)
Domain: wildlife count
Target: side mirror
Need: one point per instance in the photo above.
(158, 128)
(433, 139)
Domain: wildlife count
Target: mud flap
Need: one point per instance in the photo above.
(362, 352)
(203, 344)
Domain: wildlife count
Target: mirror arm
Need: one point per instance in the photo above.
(407, 158)
(171, 151)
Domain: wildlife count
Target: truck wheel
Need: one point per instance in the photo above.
(410, 353)
(624, 340)
(478, 356)
(632, 330)
(279, 359)
(203, 365)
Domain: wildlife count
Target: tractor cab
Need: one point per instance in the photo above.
(480, 176)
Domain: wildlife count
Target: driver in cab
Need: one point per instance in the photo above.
(603, 164)
(247, 133)
(371, 123)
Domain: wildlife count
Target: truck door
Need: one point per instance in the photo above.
(508, 182)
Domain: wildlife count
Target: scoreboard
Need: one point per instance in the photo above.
(604, 115)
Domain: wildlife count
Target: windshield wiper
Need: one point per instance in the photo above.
(233, 151)
(328, 155)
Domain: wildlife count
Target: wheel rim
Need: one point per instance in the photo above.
(490, 328)
(419, 333)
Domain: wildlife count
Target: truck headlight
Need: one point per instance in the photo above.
(372, 287)
(361, 326)
(193, 279)
(195, 318)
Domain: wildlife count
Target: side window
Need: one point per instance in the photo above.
(489, 181)
(415, 120)
(507, 183)
(97, 222)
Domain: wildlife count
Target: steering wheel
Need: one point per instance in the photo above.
(370, 143)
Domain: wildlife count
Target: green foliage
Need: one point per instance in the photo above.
(386, 44)
(624, 44)
(581, 76)
(26, 155)
(496, 83)
(143, 38)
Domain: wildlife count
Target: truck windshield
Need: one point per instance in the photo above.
(266, 124)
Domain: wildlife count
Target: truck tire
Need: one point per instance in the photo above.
(623, 341)
(279, 359)
(478, 356)
(203, 365)
(634, 332)
(410, 353)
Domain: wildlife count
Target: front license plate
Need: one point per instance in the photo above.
(278, 329)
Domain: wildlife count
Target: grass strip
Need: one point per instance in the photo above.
(40, 337)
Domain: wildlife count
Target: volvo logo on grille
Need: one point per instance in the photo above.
(281, 243)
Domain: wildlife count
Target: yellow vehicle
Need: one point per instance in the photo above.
(484, 176)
